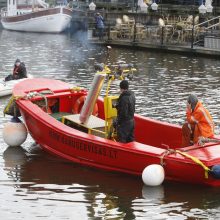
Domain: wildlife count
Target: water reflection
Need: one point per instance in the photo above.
(177, 201)
(153, 193)
(48, 180)
(102, 194)
(14, 158)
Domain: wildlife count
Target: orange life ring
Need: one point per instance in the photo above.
(79, 104)
(47, 109)
(50, 104)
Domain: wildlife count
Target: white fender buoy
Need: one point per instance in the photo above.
(153, 175)
(14, 132)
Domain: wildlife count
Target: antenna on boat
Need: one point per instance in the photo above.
(108, 53)
(102, 67)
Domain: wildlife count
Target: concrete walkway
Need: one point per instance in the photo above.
(186, 49)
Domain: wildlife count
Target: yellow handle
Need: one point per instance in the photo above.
(197, 161)
(9, 104)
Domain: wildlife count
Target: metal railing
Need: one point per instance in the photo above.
(3, 12)
(153, 34)
(206, 23)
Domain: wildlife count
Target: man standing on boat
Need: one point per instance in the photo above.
(19, 71)
(125, 114)
(199, 123)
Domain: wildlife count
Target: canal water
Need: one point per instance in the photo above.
(37, 185)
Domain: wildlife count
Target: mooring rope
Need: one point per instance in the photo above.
(28, 96)
(166, 153)
(194, 159)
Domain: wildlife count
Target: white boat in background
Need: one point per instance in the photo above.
(35, 16)
(6, 87)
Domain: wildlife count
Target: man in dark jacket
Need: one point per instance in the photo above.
(125, 109)
(99, 25)
(19, 71)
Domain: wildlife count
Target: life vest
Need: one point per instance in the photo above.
(15, 70)
(201, 119)
(79, 104)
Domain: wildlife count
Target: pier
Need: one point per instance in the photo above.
(183, 31)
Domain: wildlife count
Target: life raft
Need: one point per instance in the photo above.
(77, 107)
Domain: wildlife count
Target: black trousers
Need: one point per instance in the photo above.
(125, 131)
(9, 77)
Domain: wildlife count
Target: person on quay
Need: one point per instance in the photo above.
(19, 71)
(199, 123)
(100, 25)
(124, 123)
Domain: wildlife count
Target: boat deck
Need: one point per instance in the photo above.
(94, 125)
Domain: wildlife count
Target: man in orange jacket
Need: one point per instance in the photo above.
(198, 122)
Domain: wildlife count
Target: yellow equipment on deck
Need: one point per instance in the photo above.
(110, 102)
(92, 124)
(110, 114)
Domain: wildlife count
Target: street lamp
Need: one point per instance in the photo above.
(154, 6)
(202, 9)
(209, 8)
(92, 6)
(206, 8)
(208, 4)
(143, 7)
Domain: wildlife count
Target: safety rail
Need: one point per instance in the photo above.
(208, 21)
(132, 31)
(3, 12)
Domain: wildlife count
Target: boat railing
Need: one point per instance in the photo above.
(3, 12)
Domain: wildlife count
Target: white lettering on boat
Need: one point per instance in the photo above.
(83, 146)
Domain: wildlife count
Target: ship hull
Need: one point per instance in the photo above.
(53, 20)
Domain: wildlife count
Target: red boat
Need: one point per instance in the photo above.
(59, 131)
